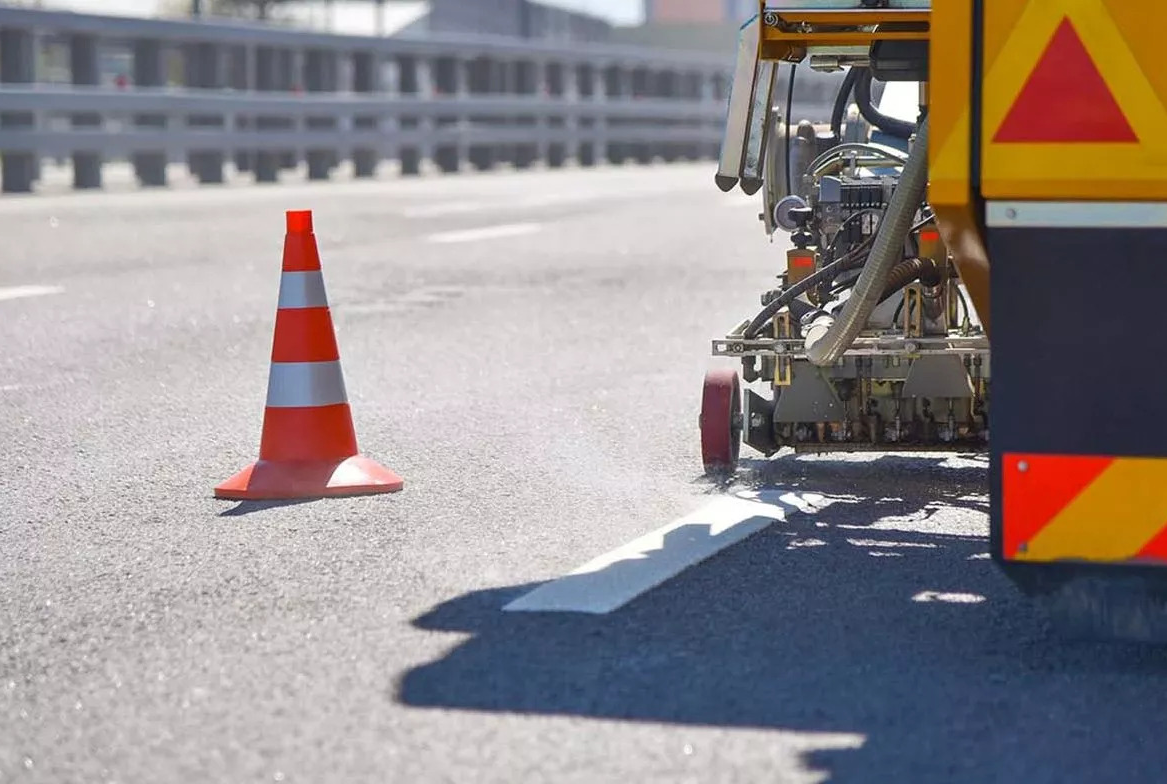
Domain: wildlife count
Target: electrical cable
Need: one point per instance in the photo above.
(803, 286)
(830, 251)
(826, 274)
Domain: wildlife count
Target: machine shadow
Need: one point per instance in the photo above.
(870, 615)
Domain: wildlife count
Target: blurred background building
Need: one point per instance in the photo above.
(556, 20)
(716, 12)
(708, 25)
(703, 24)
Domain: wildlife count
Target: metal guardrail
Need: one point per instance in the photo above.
(98, 89)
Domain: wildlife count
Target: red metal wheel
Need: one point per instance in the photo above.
(721, 421)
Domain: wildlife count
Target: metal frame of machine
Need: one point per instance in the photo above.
(877, 334)
(870, 340)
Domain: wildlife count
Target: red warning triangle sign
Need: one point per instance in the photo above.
(1065, 99)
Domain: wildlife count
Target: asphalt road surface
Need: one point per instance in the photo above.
(527, 351)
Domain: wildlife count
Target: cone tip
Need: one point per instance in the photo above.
(299, 221)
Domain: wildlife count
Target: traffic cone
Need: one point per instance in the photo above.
(309, 447)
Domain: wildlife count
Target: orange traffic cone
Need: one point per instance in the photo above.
(309, 447)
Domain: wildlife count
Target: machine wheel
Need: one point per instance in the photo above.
(721, 421)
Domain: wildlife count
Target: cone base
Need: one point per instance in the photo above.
(270, 481)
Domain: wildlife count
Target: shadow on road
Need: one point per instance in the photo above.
(243, 508)
(876, 614)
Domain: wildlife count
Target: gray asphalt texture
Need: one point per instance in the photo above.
(539, 394)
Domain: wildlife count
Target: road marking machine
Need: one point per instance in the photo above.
(1008, 188)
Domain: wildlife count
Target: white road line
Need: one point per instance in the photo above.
(611, 581)
(503, 202)
(20, 292)
(486, 233)
(444, 208)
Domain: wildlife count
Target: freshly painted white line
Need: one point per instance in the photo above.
(20, 292)
(487, 233)
(954, 598)
(612, 580)
(505, 202)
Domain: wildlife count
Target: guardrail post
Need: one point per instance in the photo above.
(482, 78)
(366, 80)
(241, 77)
(412, 82)
(204, 69)
(18, 66)
(690, 86)
(292, 63)
(273, 74)
(588, 88)
(321, 75)
(640, 88)
(618, 87)
(526, 84)
(84, 68)
(556, 85)
(150, 72)
(451, 83)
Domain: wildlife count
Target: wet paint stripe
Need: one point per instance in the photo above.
(486, 233)
(24, 292)
(611, 581)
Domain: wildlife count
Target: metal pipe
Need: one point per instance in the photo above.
(873, 149)
(885, 252)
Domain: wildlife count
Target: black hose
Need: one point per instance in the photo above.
(789, 108)
(823, 275)
(800, 288)
(800, 309)
(890, 125)
(909, 271)
(841, 99)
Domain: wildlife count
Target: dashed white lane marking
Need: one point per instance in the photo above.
(486, 233)
(21, 292)
(955, 598)
(444, 208)
(609, 582)
(511, 204)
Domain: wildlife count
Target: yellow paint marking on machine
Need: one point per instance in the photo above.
(788, 32)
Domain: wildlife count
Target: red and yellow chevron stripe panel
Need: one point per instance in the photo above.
(1084, 508)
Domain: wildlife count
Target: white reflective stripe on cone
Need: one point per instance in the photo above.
(302, 290)
(305, 384)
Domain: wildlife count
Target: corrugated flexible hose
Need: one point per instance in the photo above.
(887, 250)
